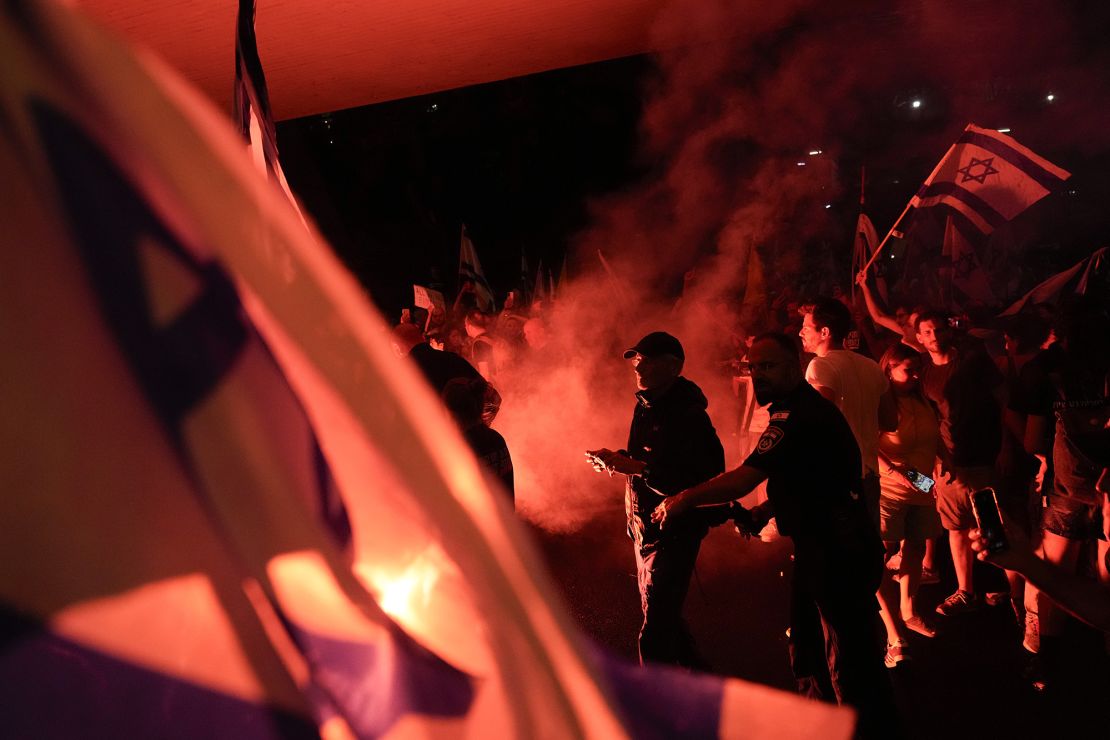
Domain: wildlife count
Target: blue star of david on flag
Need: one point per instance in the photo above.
(981, 178)
(1021, 181)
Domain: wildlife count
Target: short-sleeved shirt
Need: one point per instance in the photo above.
(813, 465)
(858, 383)
(913, 444)
(1077, 397)
(962, 393)
(1033, 393)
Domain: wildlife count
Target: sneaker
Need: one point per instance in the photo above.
(896, 652)
(920, 626)
(1032, 639)
(928, 575)
(960, 602)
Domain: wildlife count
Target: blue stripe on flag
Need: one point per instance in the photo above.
(250, 84)
(57, 688)
(1023, 162)
(663, 702)
(374, 685)
(953, 191)
(180, 364)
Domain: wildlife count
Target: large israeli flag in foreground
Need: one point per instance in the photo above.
(228, 510)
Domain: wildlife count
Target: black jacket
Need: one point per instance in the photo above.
(441, 366)
(672, 433)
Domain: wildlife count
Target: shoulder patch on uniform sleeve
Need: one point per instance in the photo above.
(780, 416)
(770, 438)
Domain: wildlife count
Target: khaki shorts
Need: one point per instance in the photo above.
(901, 520)
(954, 499)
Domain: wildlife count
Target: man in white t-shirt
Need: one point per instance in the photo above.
(853, 382)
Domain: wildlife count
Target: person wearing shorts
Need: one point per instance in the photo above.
(1074, 390)
(961, 382)
(954, 489)
(907, 515)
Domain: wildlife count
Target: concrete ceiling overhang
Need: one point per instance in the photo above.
(323, 56)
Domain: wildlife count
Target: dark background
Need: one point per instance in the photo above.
(519, 161)
(516, 161)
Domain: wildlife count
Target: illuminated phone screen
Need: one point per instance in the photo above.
(920, 481)
(984, 504)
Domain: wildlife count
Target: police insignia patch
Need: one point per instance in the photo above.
(770, 438)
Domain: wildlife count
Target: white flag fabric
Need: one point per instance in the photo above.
(192, 381)
(989, 178)
(863, 246)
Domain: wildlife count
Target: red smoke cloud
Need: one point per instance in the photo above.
(743, 93)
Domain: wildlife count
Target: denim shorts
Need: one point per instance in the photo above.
(1073, 519)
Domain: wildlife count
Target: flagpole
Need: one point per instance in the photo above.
(879, 249)
(862, 192)
(929, 179)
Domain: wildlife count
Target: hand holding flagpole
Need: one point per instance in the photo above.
(893, 229)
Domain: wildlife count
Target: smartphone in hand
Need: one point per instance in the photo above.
(920, 481)
(984, 503)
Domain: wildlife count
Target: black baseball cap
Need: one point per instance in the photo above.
(655, 344)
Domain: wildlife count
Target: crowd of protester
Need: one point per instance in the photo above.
(462, 352)
(1018, 405)
(937, 409)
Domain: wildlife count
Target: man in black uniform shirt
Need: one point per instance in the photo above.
(811, 462)
(672, 445)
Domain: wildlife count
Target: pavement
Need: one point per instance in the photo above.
(966, 682)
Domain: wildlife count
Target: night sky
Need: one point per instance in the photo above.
(516, 161)
(524, 161)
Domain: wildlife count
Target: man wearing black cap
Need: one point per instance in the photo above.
(672, 445)
(811, 462)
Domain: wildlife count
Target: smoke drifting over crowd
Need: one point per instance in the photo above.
(742, 129)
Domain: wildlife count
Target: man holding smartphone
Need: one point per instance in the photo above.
(811, 462)
(671, 445)
(961, 381)
(1072, 394)
(1084, 598)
